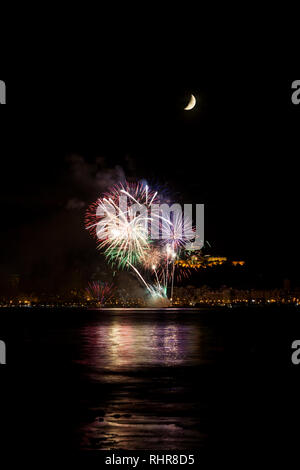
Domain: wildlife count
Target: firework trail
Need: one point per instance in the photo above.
(99, 291)
(121, 224)
(180, 232)
(121, 221)
(122, 232)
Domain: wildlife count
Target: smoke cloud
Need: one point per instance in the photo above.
(55, 252)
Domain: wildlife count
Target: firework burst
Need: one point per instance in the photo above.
(152, 258)
(120, 224)
(123, 221)
(99, 291)
(179, 232)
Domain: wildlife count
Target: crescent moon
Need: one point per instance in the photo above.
(191, 104)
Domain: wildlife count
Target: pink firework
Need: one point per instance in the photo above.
(137, 193)
(99, 291)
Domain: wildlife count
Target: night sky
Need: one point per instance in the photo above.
(236, 152)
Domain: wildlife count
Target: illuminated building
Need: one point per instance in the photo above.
(202, 262)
